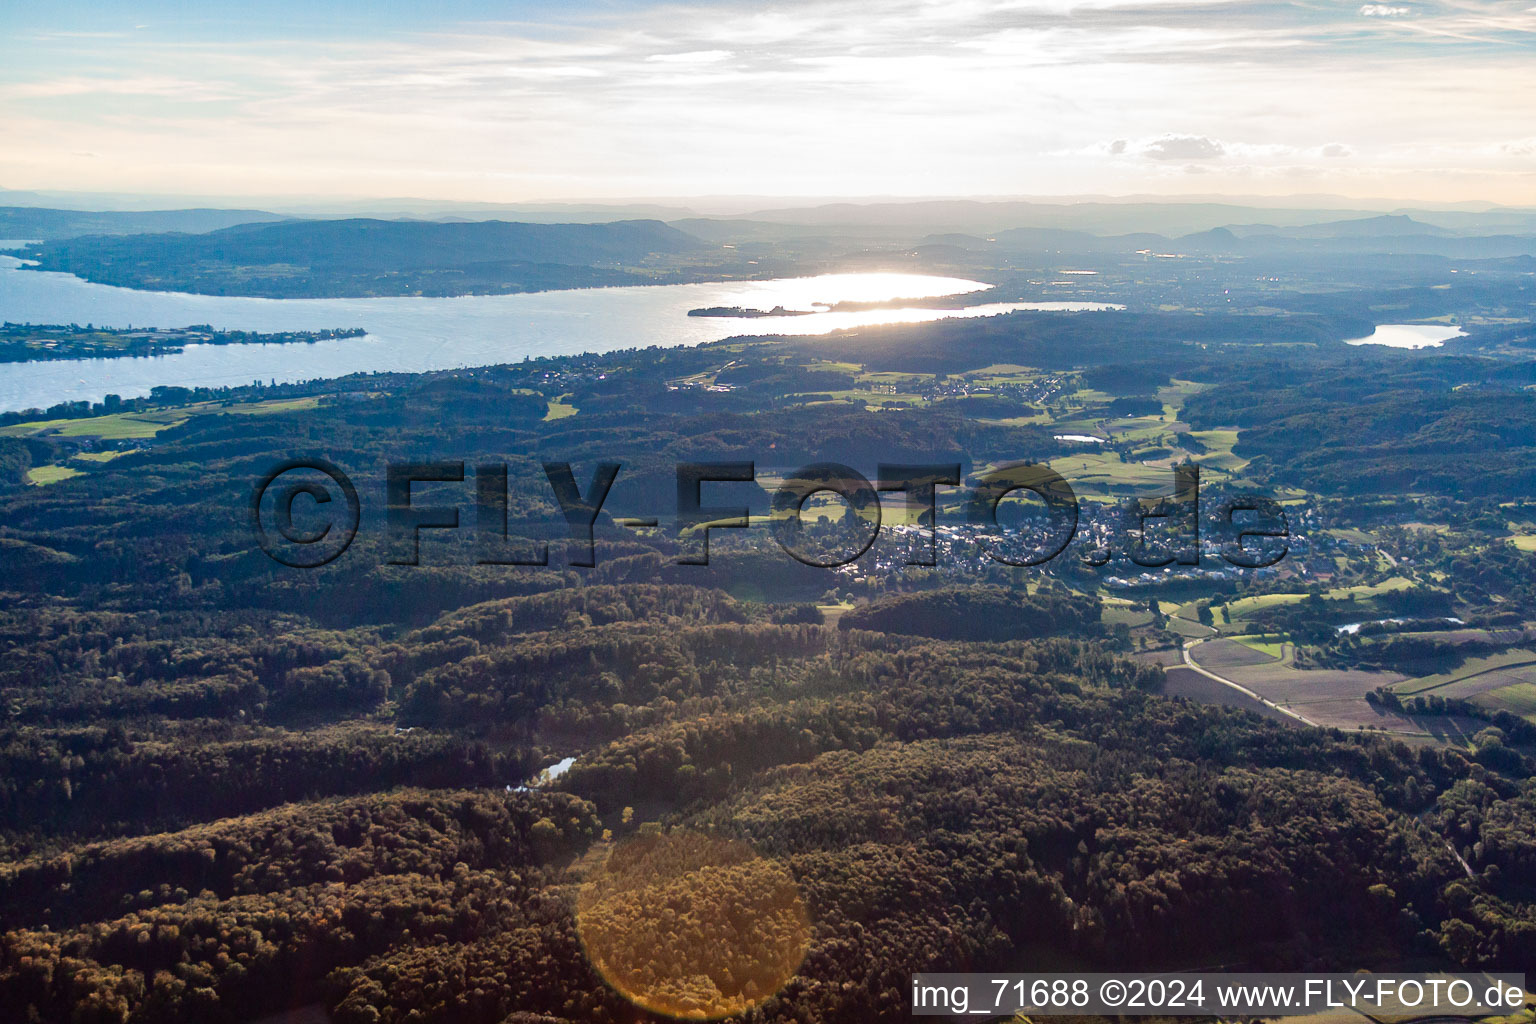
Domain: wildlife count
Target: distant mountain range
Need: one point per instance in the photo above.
(1101, 215)
(1172, 219)
(1397, 235)
(373, 257)
(266, 255)
(29, 222)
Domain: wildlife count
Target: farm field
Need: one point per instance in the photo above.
(1185, 682)
(1247, 606)
(831, 613)
(1328, 697)
(1488, 683)
(1516, 698)
(1220, 455)
(559, 409)
(1501, 682)
(1272, 647)
(1174, 393)
(1220, 655)
(1472, 668)
(1472, 634)
(42, 476)
(1124, 611)
(116, 426)
(1189, 628)
(147, 423)
(1036, 416)
(256, 408)
(898, 377)
(1103, 474)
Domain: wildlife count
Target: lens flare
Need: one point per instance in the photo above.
(692, 926)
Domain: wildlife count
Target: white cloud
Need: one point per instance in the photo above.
(800, 97)
(691, 57)
(1383, 11)
(1184, 147)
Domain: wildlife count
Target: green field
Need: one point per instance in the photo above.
(1517, 699)
(1173, 394)
(1470, 668)
(260, 408)
(117, 426)
(1002, 373)
(1246, 606)
(1220, 456)
(559, 409)
(830, 613)
(1098, 473)
(1350, 534)
(42, 476)
(1264, 643)
(1132, 617)
(1018, 421)
(871, 399)
(1189, 628)
(148, 423)
(891, 377)
(1138, 428)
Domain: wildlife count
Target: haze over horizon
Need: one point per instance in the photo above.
(537, 102)
(340, 204)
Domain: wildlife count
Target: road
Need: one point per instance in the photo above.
(1240, 688)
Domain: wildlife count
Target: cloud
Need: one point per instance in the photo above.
(814, 97)
(162, 86)
(1174, 149)
(691, 57)
(1184, 147)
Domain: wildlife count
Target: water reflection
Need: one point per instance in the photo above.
(413, 335)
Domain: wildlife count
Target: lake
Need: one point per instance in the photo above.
(1411, 335)
(413, 335)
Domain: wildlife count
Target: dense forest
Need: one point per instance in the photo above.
(936, 803)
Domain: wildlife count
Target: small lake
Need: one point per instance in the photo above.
(546, 776)
(1411, 335)
(414, 335)
(1354, 627)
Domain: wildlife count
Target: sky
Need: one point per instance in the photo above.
(532, 101)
